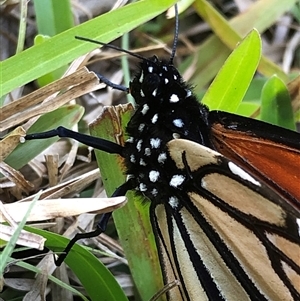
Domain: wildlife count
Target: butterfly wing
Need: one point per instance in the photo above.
(232, 238)
(269, 152)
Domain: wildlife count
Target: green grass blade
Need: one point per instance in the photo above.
(53, 16)
(230, 85)
(55, 280)
(247, 109)
(276, 107)
(5, 255)
(22, 26)
(97, 280)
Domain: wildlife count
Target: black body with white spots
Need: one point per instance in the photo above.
(165, 109)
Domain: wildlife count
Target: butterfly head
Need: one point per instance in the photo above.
(158, 82)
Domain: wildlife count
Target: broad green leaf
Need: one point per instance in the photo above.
(231, 83)
(276, 107)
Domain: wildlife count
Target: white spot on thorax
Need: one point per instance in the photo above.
(145, 109)
(129, 176)
(147, 151)
(154, 192)
(132, 158)
(142, 187)
(141, 127)
(153, 175)
(141, 77)
(142, 162)
(178, 123)
(166, 80)
(173, 201)
(139, 145)
(188, 93)
(150, 69)
(174, 98)
(165, 68)
(175, 77)
(154, 118)
(162, 157)
(242, 174)
(177, 180)
(155, 142)
(142, 93)
(154, 92)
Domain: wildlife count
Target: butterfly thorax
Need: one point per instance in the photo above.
(166, 110)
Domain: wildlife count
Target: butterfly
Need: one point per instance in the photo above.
(223, 207)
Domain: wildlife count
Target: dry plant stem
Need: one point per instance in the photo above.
(25, 238)
(73, 86)
(52, 208)
(71, 186)
(16, 177)
(52, 167)
(10, 142)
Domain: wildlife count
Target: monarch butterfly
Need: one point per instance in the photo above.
(211, 218)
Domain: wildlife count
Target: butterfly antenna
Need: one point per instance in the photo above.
(176, 33)
(135, 54)
(103, 78)
(111, 47)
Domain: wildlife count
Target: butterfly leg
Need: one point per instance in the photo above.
(101, 226)
(106, 81)
(98, 143)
